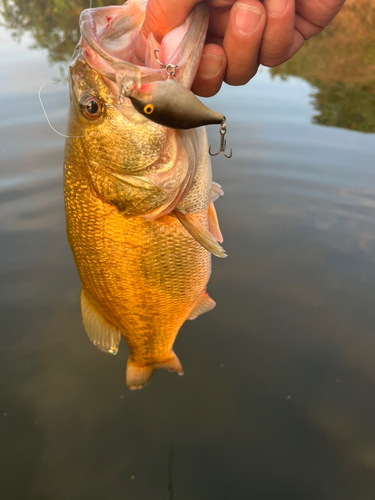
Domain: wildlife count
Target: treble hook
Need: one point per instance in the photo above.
(171, 69)
(223, 142)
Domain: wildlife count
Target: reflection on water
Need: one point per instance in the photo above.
(277, 401)
(339, 65)
(52, 24)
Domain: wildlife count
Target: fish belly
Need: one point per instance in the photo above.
(143, 276)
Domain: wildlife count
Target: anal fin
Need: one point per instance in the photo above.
(200, 234)
(137, 376)
(100, 331)
(204, 305)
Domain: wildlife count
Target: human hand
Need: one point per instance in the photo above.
(243, 34)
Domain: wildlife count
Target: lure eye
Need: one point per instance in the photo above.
(148, 109)
(91, 108)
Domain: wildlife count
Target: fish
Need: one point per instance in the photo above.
(138, 189)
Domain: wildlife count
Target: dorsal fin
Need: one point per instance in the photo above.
(216, 191)
(200, 234)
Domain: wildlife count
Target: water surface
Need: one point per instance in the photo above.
(277, 400)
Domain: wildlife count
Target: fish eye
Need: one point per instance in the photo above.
(148, 109)
(91, 108)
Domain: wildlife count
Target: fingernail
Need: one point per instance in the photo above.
(276, 7)
(210, 66)
(246, 18)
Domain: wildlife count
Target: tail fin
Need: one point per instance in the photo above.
(137, 376)
(172, 364)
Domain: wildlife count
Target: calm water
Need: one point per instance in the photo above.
(278, 398)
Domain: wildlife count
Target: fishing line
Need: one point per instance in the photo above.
(170, 470)
(49, 123)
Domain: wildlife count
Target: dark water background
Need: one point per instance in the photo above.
(278, 397)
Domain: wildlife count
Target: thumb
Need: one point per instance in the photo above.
(162, 16)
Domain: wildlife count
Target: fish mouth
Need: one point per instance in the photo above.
(109, 44)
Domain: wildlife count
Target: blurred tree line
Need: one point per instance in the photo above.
(340, 64)
(53, 24)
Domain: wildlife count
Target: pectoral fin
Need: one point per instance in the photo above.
(213, 223)
(204, 305)
(200, 234)
(101, 333)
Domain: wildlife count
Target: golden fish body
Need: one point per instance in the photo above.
(125, 180)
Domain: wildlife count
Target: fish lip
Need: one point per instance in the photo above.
(93, 37)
